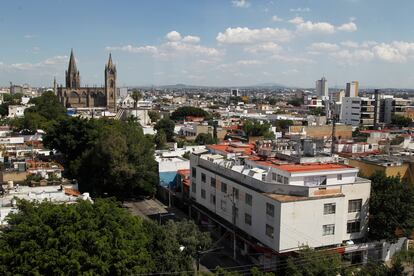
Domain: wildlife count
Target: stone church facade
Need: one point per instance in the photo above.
(73, 95)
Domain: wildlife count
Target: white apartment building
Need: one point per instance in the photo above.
(357, 111)
(281, 205)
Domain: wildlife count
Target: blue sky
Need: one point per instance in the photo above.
(211, 42)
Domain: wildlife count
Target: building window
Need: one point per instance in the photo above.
(203, 194)
(269, 231)
(353, 226)
(248, 199)
(328, 229)
(224, 188)
(194, 172)
(354, 205)
(213, 199)
(339, 177)
(279, 178)
(213, 182)
(203, 177)
(193, 187)
(315, 180)
(329, 208)
(236, 193)
(285, 180)
(223, 205)
(274, 176)
(248, 219)
(270, 209)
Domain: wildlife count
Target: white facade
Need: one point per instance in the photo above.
(322, 87)
(283, 207)
(352, 89)
(16, 111)
(357, 111)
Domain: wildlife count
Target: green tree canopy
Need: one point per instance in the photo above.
(391, 207)
(283, 124)
(314, 262)
(255, 128)
(136, 96)
(46, 111)
(120, 163)
(295, 102)
(182, 112)
(167, 126)
(106, 156)
(154, 115)
(204, 139)
(401, 121)
(93, 239)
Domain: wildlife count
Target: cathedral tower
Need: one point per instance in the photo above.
(72, 74)
(110, 85)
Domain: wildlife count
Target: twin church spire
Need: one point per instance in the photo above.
(73, 76)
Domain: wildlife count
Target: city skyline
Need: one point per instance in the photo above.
(212, 43)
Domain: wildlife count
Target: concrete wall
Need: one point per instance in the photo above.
(12, 176)
(405, 171)
(343, 131)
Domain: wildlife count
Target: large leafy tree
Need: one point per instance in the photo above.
(184, 111)
(254, 128)
(93, 239)
(46, 111)
(72, 136)
(120, 163)
(204, 139)
(401, 121)
(391, 207)
(106, 156)
(167, 126)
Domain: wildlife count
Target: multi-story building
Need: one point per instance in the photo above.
(357, 111)
(352, 89)
(394, 106)
(322, 87)
(279, 204)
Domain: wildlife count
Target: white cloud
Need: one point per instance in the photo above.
(352, 57)
(133, 49)
(350, 44)
(241, 3)
(303, 26)
(291, 59)
(319, 27)
(323, 46)
(191, 39)
(268, 47)
(348, 27)
(395, 52)
(175, 45)
(300, 10)
(240, 35)
(173, 36)
(46, 65)
(297, 20)
(172, 48)
(250, 62)
(276, 18)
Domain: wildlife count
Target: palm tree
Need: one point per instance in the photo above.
(136, 96)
